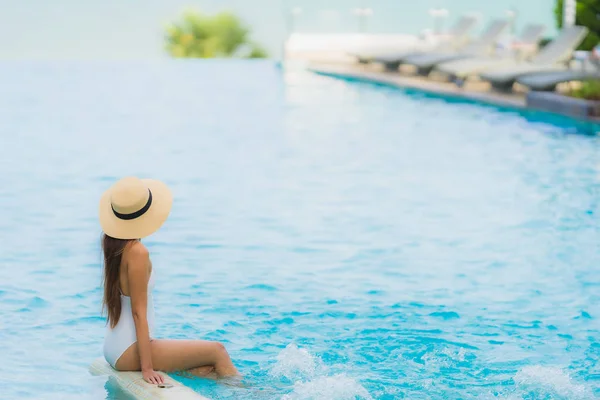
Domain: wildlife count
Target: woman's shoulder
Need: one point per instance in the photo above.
(136, 251)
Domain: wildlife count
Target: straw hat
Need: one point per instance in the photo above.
(134, 208)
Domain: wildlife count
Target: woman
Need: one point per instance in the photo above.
(129, 211)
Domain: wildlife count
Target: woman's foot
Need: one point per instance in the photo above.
(235, 381)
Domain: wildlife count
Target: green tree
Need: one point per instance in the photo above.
(203, 36)
(588, 15)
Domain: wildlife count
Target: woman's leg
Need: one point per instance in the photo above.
(199, 357)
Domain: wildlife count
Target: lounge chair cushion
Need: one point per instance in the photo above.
(465, 67)
(549, 80)
(430, 60)
(504, 76)
(394, 57)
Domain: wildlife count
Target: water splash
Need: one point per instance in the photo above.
(446, 357)
(339, 387)
(550, 381)
(294, 363)
(311, 377)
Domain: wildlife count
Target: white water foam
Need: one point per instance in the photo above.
(311, 378)
(552, 381)
(294, 363)
(445, 357)
(338, 387)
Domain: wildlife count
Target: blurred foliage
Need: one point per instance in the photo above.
(223, 35)
(588, 12)
(589, 90)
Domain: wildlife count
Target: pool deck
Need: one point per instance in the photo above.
(472, 91)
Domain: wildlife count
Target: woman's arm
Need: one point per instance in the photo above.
(138, 274)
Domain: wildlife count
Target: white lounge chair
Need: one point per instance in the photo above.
(458, 70)
(554, 57)
(482, 47)
(457, 37)
(547, 81)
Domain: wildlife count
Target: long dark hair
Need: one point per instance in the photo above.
(113, 251)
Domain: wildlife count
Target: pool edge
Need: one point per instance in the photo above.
(134, 385)
(588, 126)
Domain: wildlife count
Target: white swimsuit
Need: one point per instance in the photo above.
(123, 335)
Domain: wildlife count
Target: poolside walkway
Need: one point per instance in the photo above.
(474, 91)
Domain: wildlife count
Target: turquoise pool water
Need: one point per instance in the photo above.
(345, 241)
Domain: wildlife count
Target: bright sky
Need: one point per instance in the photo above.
(109, 29)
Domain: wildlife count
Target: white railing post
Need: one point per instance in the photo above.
(569, 12)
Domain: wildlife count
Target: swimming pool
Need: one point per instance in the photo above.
(344, 240)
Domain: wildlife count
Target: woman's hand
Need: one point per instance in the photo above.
(153, 377)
